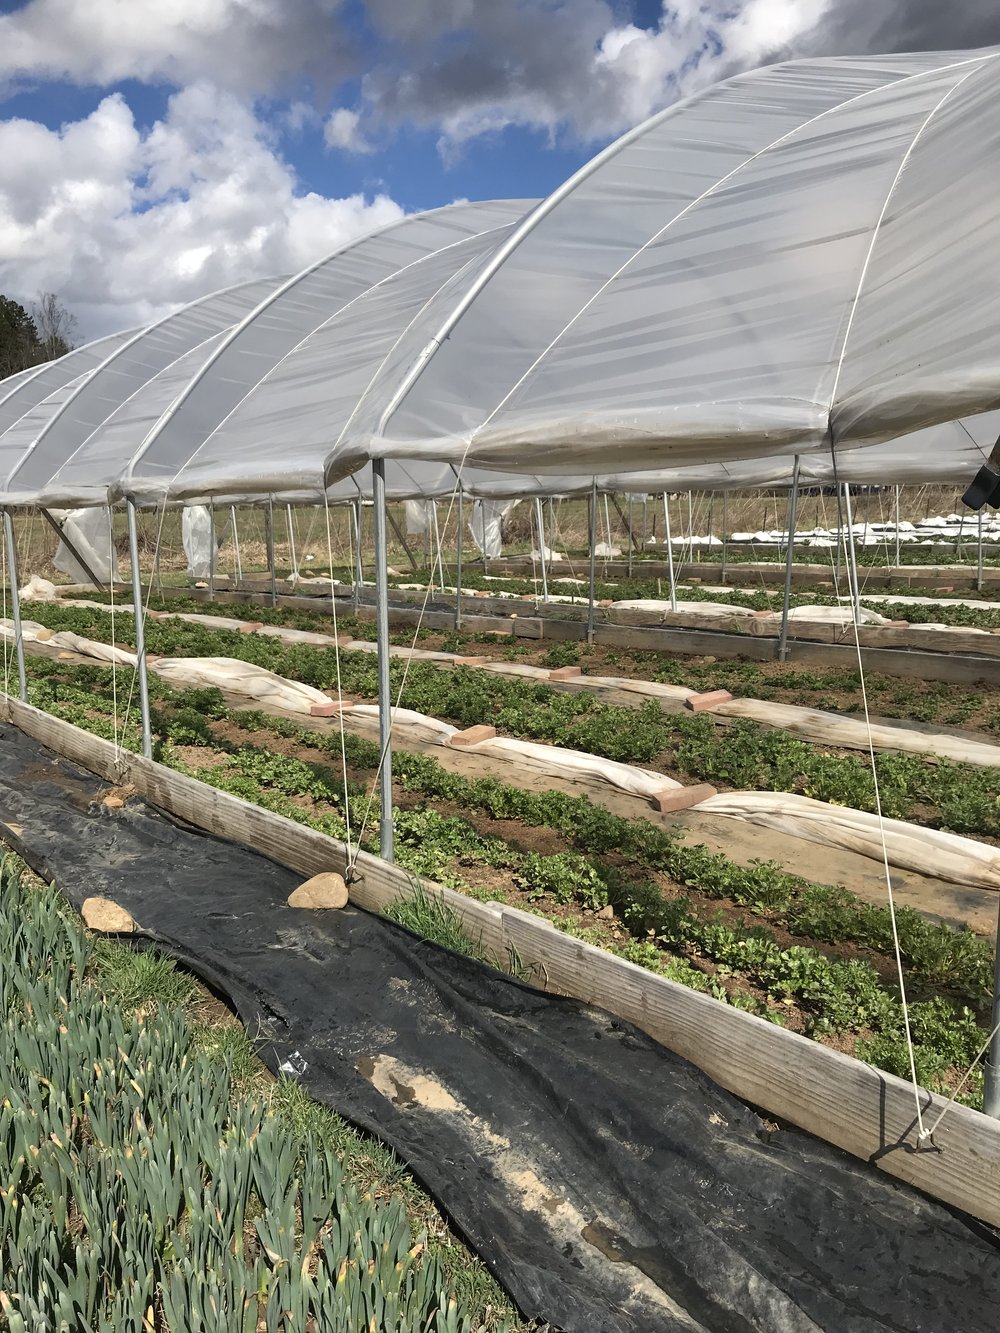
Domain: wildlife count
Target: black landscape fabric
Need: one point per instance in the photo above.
(611, 1186)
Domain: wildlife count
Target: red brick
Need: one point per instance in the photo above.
(470, 661)
(566, 673)
(472, 736)
(682, 798)
(251, 626)
(701, 703)
(329, 710)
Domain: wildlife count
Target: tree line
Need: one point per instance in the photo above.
(29, 336)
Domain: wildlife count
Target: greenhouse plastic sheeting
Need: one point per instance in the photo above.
(325, 292)
(125, 370)
(20, 393)
(652, 1202)
(89, 474)
(777, 262)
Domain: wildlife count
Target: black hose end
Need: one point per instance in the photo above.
(984, 490)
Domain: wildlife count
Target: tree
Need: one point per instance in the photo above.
(19, 342)
(55, 326)
(29, 338)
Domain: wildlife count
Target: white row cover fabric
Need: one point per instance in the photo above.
(196, 538)
(89, 532)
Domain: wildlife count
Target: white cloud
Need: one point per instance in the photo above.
(251, 45)
(343, 130)
(473, 67)
(124, 224)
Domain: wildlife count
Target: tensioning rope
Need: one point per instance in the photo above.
(340, 696)
(851, 555)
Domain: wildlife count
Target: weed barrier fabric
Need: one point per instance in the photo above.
(611, 1186)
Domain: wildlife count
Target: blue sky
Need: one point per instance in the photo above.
(153, 150)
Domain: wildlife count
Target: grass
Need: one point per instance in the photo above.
(147, 987)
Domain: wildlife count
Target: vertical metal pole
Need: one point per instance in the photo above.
(15, 606)
(991, 1067)
(840, 531)
(897, 527)
(437, 542)
(631, 543)
(852, 559)
(211, 550)
(291, 541)
(690, 548)
(458, 558)
(793, 506)
(156, 571)
(670, 552)
(725, 532)
(359, 570)
(382, 638)
(269, 536)
(979, 551)
(540, 525)
(140, 630)
(593, 562)
(238, 567)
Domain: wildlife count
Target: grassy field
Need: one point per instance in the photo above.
(156, 1177)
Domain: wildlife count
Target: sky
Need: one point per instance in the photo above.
(155, 150)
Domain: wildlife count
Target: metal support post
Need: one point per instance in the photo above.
(15, 606)
(725, 532)
(401, 538)
(382, 639)
(852, 556)
(437, 542)
(269, 539)
(291, 541)
(593, 562)
(140, 633)
(458, 558)
(897, 528)
(238, 567)
(793, 506)
(212, 550)
(991, 1067)
(979, 551)
(670, 552)
(540, 525)
(359, 571)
